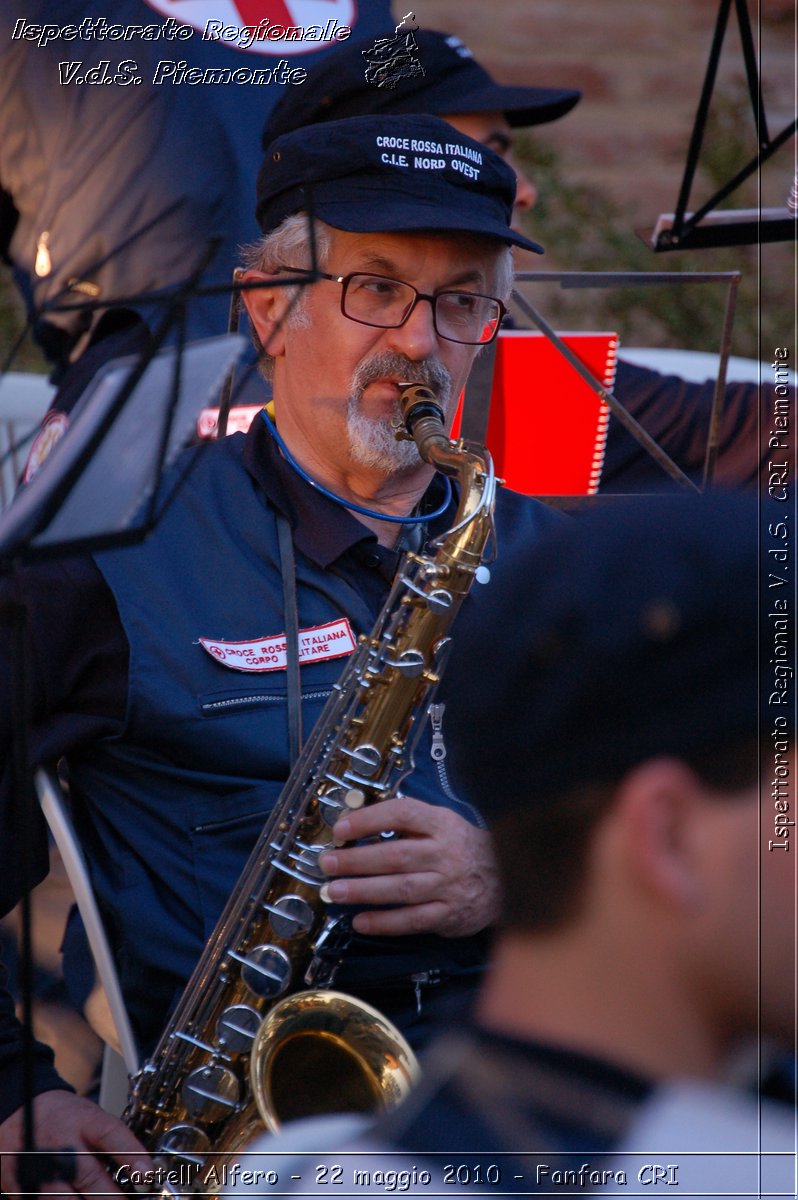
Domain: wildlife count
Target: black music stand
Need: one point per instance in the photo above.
(478, 392)
(75, 501)
(708, 226)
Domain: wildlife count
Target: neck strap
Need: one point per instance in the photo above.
(350, 504)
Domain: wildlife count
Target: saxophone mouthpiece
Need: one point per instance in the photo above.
(423, 416)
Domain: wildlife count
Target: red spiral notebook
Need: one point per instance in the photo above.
(547, 429)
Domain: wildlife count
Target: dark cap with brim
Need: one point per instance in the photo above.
(445, 80)
(389, 174)
(627, 634)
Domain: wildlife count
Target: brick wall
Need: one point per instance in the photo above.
(640, 68)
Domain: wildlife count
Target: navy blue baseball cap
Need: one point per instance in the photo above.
(446, 80)
(627, 633)
(389, 174)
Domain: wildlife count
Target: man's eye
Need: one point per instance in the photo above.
(462, 303)
(499, 145)
(381, 289)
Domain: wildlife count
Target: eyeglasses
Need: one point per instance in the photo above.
(377, 300)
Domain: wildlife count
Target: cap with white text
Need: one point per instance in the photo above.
(389, 174)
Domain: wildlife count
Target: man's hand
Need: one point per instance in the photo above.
(67, 1122)
(438, 871)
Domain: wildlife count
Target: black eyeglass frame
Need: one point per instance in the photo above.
(345, 280)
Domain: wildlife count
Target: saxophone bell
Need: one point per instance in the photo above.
(319, 1052)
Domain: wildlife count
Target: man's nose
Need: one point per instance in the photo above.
(526, 193)
(417, 338)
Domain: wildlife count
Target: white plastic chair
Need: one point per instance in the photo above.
(24, 399)
(120, 1059)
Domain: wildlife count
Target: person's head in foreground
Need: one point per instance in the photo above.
(610, 737)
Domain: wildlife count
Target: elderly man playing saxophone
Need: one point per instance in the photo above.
(177, 738)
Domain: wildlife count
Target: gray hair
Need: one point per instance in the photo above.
(505, 274)
(289, 245)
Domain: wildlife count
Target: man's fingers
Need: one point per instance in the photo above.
(119, 1144)
(100, 1142)
(414, 888)
(87, 1177)
(401, 814)
(383, 858)
(438, 874)
(394, 922)
(94, 1177)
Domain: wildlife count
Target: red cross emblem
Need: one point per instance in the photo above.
(285, 13)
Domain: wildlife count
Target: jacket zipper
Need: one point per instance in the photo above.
(438, 755)
(211, 706)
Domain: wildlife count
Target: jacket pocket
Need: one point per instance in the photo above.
(222, 837)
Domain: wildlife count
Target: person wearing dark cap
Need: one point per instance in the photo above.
(644, 935)
(177, 738)
(453, 85)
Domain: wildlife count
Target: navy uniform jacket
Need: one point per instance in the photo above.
(175, 757)
(497, 1114)
(492, 1114)
(521, 1109)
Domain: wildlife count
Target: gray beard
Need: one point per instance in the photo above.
(372, 441)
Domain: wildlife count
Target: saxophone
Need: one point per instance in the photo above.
(258, 1037)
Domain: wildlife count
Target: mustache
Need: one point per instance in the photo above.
(429, 372)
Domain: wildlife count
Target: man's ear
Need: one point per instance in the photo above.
(661, 806)
(266, 307)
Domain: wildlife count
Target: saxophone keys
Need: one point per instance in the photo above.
(290, 916)
(186, 1142)
(331, 804)
(366, 758)
(211, 1093)
(410, 663)
(237, 1026)
(265, 971)
(439, 600)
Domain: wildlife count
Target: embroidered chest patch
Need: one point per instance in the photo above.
(317, 644)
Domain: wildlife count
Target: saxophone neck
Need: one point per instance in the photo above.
(424, 423)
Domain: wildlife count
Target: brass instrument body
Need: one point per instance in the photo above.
(202, 1092)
